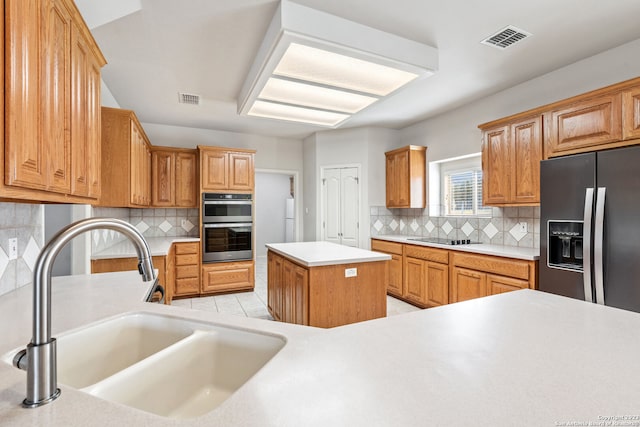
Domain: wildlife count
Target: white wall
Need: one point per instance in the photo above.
(310, 192)
(272, 189)
(456, 132)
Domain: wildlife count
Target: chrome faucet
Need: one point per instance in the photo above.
(40, 363)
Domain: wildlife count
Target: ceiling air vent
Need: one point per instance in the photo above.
(188, 98)
(506, 37)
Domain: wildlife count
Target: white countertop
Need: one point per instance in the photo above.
(528, 254)
(316, 254)
(523, 358)
(159, 246)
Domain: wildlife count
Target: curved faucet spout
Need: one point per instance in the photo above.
(41, 352)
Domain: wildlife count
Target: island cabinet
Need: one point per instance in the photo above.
(126, 160)
(174, 181)
(394, 276)
(347, 290)
(51, 104)
(511, 155)
(475, 276)
(226, 169)
(406, 177)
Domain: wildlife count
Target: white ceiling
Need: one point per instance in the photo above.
(206, 47)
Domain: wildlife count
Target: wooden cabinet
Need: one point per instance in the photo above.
(227, 277)
(584, 125)
(226, 169)
(631, 113)
(426, 276)
(173, 177)
(52, 89)
(511, 157)
(323, 296)
(406, 177)
(160, 263)
(126, 160)
(474, 276)
(394, 276)
(186, 269)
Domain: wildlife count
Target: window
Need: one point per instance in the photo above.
(461, 187)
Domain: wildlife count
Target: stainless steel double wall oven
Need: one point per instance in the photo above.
(227, 225)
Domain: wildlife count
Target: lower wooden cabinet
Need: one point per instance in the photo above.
(393, 278)
(426, 282)
(227, 277)
(467, 284)
(109, 265)
(186, 270)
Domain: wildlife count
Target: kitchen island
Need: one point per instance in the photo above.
(524, 358)
(325, 285)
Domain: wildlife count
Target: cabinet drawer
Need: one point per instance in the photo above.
(186, 271)
(189, 259)
(430, 254)
(187, 248)
(227, 276)
(188, 286)
(387, 247)
(490, 264)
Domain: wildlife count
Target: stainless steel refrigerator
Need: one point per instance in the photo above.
(590, 227)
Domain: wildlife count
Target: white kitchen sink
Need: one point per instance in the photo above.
(165, 365)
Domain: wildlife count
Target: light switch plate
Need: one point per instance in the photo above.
(13, 248)
(350, 272)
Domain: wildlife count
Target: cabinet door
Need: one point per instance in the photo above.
(79, 114)
(93, 119)
(398, 190)
(57, 92)
(467, 284)
(496, 164)
(631, 113)
(215, 170)
(227, 276)
(186, 186)
(584, 125)
(415, 280)
(437, 276)
(288, 302)
(500, 284)
(163, 178)
(25, 148)
(394, 279)
(300, 280)
(241, 171)
(274, 285)
(526, 153)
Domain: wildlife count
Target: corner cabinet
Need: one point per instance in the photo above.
(511, 155)
(406, 177)
(394, 277)
(51, 104)
(126, 160)
(226, 169)
(174, 180)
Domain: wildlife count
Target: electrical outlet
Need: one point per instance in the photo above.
(523, 227)
(350, 272)
(183, 223)
(13, 248)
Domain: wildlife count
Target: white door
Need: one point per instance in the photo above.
(341, 206)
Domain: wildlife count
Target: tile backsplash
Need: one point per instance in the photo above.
(23, 221)
(502, 228)
(156, 222)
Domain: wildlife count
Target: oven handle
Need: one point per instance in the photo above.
(229, 224)
(227, 202)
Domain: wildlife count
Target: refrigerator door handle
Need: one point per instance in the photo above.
(598, 243)
(586, 241)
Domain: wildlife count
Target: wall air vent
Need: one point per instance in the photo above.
(506, 37)
(188, 98)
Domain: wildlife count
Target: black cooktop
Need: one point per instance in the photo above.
(444, 241)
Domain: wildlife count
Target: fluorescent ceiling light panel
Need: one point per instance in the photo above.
(273, 110)
(308, 95)
(312, 60)
(332, 69)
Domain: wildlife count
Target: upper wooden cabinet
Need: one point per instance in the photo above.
(173, 177)
(581, 126)
(406, 177)
(631, 113)
(226, 169)
(52, 101)
(511, 157)
(126, 160)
